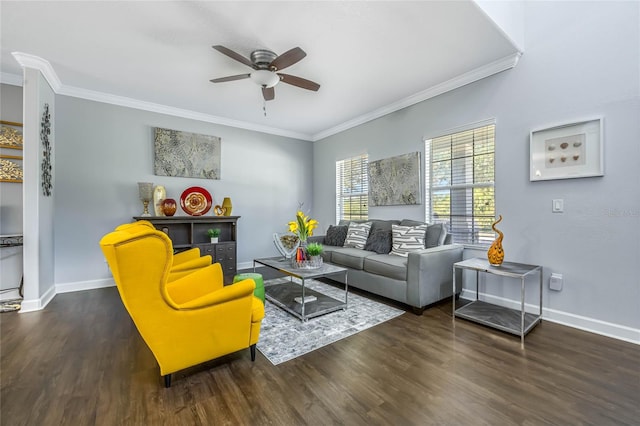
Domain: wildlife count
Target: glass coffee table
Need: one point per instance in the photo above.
(300, 301)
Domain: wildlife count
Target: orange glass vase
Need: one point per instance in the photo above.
(495, 254)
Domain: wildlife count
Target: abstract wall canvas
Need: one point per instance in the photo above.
(395, 181)
(186, 154)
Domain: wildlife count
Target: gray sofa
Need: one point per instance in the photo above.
(422, 278)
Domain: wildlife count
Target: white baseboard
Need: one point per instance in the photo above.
(245, 265)
(616, 331)
(32, 305)
(84, 285)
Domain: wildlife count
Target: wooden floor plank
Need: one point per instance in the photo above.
(81, 362)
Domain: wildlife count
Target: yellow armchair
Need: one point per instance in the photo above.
(184, 262)
(185, 321)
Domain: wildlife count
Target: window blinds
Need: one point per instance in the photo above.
(460, 183)
(352, 188)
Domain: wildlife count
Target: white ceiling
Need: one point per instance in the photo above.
(370, 58)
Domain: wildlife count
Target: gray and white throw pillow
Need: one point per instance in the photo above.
(357, 235)
(407, 238)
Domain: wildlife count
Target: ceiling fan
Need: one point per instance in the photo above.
(266, 65)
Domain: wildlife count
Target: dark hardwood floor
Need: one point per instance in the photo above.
(81, 361)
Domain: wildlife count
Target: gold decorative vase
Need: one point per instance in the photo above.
(495, 254)
(159, 194)
(226, 205)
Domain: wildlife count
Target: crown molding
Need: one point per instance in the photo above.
(107, 98)
(31, 61)
(484, 71)
(10, 79)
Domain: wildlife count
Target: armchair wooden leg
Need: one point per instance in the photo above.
(253, 352)
(167, 381)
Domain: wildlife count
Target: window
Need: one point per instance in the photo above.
(352, 188)
(459, 175)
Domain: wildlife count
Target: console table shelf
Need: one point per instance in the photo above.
(191, 231)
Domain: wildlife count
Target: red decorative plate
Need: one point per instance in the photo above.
(195, 201)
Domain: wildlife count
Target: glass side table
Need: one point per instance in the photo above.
(506, 319)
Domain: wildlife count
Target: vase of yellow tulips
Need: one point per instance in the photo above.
(302, 227)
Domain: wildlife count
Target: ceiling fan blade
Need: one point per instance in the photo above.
(233, 55)
(230, 78)
(299, 82)
(288, 58)
(268, 93)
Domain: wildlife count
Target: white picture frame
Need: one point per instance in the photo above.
(567, 151)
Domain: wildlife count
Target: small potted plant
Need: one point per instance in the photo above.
(314, 250)
(214, 234)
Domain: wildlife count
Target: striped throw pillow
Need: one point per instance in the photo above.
(407, 238)
(357, 235)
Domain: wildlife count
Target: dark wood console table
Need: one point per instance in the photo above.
(191, 231)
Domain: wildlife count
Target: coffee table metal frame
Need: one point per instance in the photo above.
(500, 317)
(283, 294)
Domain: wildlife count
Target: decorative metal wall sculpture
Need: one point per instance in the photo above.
(395, 180)
(45, 131)
(186, 154)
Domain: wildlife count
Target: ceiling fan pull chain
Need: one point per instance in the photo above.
(264, 107)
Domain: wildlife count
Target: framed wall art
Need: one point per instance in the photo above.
(186, 154)
(567, 151)
(395, 181)
(11, 145)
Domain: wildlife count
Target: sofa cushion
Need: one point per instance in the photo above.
(386, 265)
(350, 257)
(357, 235)
(407, 238)
(336, 234)
(436, 235)
(379, 241)
(327, 250)
(380, 236)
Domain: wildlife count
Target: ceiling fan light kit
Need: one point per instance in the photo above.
(266, 64)
(264, 78)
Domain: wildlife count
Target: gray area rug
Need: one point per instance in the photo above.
(284, 337)
(10, 305)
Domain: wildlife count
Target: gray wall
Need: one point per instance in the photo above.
(581, 60)
(104, 150)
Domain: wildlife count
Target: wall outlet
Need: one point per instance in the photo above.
(555, 282)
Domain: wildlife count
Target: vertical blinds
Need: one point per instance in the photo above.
(460, 182)
(352, 188)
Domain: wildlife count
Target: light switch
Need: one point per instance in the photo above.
(558, 205)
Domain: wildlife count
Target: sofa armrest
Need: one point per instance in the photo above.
(430, 274)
